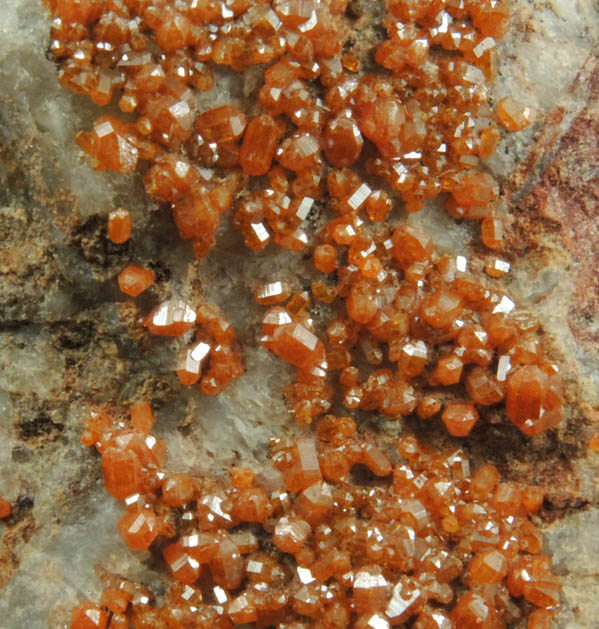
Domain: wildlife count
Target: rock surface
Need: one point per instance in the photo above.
(67, 336)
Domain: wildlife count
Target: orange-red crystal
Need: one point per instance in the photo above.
(5, 508)
(134, 280)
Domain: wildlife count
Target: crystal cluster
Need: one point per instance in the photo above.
(419, 539)
(420, 119)
(435, 338)
(357, 531)
(417, 130)
(211, 359)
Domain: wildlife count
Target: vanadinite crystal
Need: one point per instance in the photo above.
(351, 530)
(514, 116)
(134, 280)
(5, 508)
(171, 318)
(119, 226)
(89, 616)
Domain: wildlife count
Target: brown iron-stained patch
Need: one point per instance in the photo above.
(567, 196)
(20, 527)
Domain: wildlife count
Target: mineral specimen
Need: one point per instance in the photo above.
(377, 538)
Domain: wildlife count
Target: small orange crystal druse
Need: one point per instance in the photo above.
(419, 152)
(394, 561)
(384, 324)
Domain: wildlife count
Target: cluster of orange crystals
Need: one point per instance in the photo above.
(412, 331)
(211, 359)
(421, 126)
(422, 122)
(433, 337)
(339, 532)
